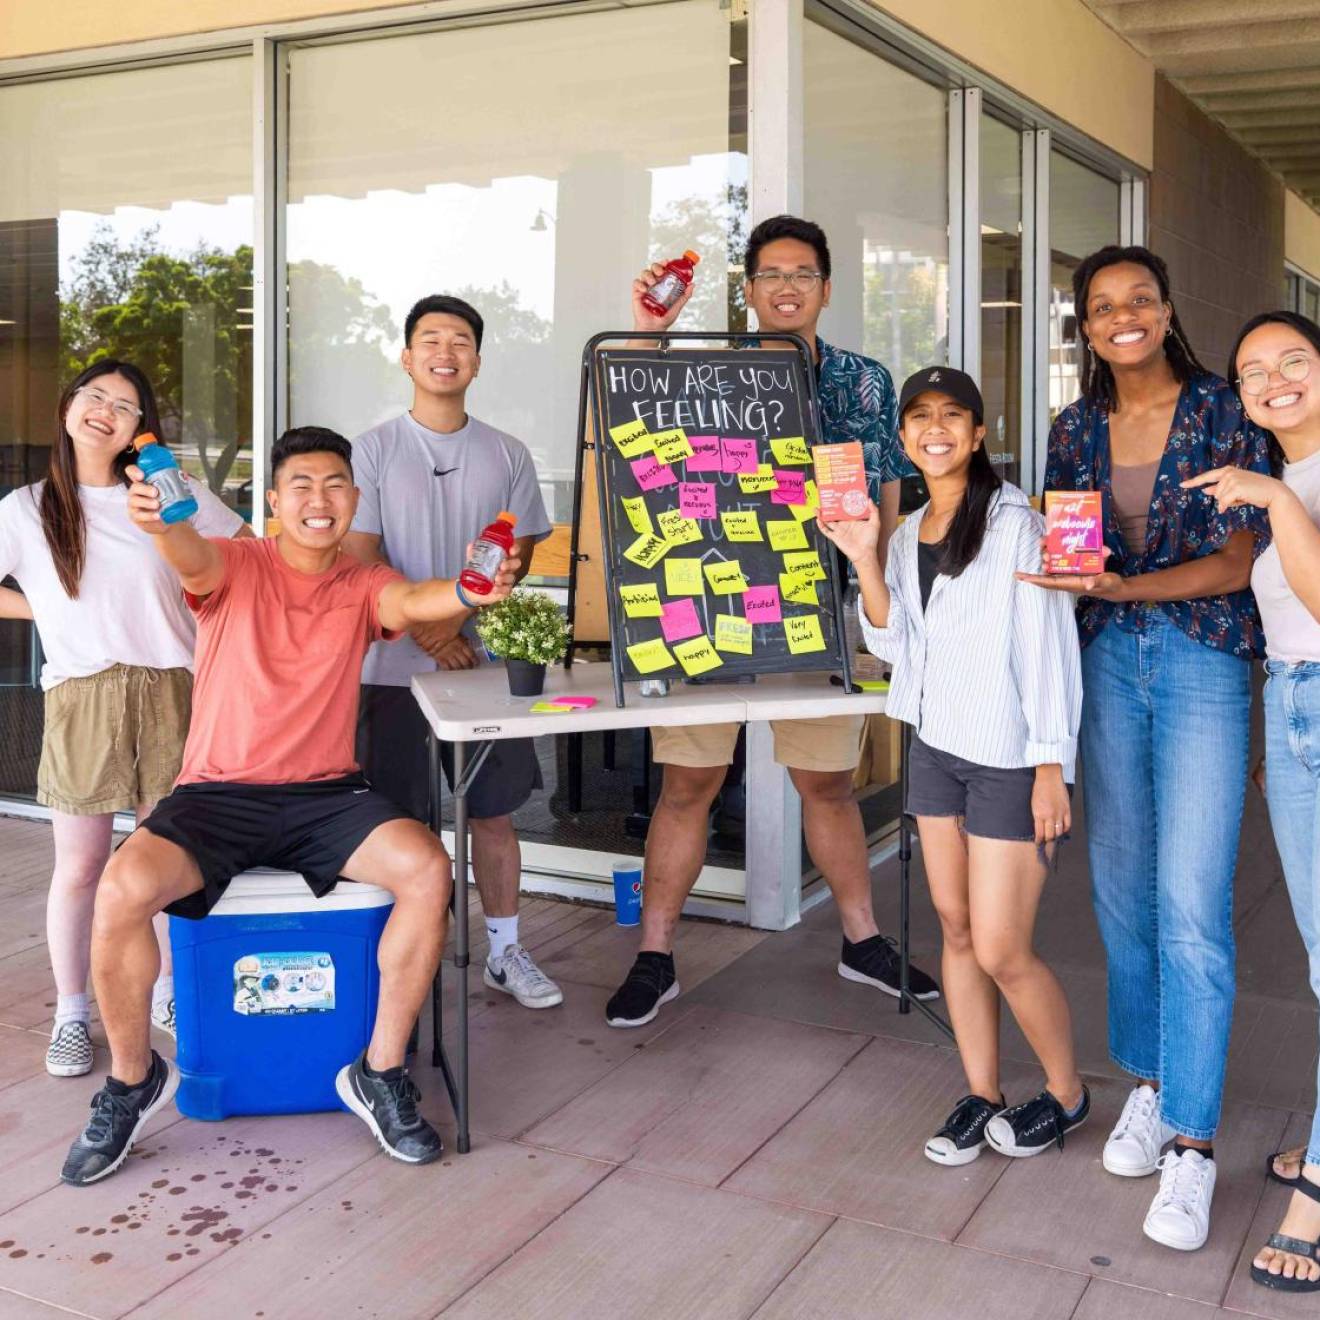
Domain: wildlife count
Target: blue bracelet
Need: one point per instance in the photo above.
(462, 599)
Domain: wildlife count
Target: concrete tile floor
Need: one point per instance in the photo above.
(754, 1152)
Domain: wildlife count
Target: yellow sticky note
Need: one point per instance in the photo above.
(671, 446)
(683, 577)
(733, 634)
(638, 517)
(647, 657)
(549, 708)
(697, 656)
(805, 565)
(741, 525)
(755, 483)
(676, 529)
(798, 589)
(632, 438)
(726, 579)
(808, 510)
(790, 450)
(641, 601)
(786, 534)
(647, 550)
(804, 634)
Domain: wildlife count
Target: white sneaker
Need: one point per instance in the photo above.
(1179, 1216)
(70, 1051)
(162, 1017)
(1133, 1148)
(517, 975)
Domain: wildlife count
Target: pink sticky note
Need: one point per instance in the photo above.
(696, 499)
(791, 488)
(651, 473)
(679, 620)
(578, 703)
(761, 605)
(739, 455)
(706, 455)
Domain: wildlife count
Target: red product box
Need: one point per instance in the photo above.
(1074, 532)
(841, 480)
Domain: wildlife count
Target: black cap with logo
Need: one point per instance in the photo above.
(958, 385)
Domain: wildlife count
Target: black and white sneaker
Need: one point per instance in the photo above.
(875, 961)
(387, 1103)
(1035, 1125)
(962, 1138)
(651, 982)
(118, 1115)
(69, 1053)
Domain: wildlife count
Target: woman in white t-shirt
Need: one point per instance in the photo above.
(118, 641)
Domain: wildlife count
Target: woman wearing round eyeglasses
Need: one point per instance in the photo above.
(118, 642)
(1276, 362)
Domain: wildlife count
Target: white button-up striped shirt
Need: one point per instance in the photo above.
(991, 669)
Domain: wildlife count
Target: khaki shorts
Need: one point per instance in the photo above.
(829, 743)
(113, 739)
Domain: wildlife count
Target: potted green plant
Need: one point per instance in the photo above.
(527, 631)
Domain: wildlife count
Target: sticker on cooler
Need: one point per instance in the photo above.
(284, 983)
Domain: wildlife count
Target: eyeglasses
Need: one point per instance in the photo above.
(120, 407)
(1256, 380)
(800, 281)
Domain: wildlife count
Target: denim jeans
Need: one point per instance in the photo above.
(1164, 748)
(1292, 787)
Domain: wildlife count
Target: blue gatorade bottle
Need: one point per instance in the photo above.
(159, 468)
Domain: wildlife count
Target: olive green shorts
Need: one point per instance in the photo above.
(113, 739)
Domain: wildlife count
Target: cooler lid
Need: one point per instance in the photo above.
(264, 891)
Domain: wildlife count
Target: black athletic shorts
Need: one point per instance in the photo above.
(229, 828)
(391, 749)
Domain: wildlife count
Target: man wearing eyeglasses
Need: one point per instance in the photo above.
(787, 269)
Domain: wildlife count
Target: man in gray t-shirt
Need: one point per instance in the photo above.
(430, 480)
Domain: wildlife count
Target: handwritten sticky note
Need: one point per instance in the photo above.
(683, 577)
(738, 455)
(758, 482)
(651, 473)
(792, 449)
(551, 708)
(706, 456)
(647, 657)
(697, 656)
(804, 634)
(671, 446)
(631, 438)
(647, 550)
(805, 565)
(790, 488)
(641, 601)
(696, 499)
(726, 579)
(733, 634)
(802, 512)
(676, 529)
(679, 620)
(635, 508)
(786, 534)
(741, 525)
(761, 605)
(800, 590)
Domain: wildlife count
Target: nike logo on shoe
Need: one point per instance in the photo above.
(500, 976)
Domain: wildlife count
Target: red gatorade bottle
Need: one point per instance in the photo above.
(668, 289)
(494, 544)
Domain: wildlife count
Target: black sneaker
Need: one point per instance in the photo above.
(962, 1137)
(1036, 1125)
(650, 983)
(387, 1104)
(118, 1115)
(875, 961)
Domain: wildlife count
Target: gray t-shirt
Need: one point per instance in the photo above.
(1291, 631)
(427, 496)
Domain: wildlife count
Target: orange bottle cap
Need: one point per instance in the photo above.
(146, 438)
(505, 516)
(692, 256)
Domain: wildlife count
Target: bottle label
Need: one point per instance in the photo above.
(485, 559)
(172, 486)
(667, 290)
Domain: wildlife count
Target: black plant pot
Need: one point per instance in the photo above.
(525, 678)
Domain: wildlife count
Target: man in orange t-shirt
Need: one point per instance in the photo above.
(269, 778)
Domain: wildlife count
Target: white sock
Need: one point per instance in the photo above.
(162, 992)
(502, 931)
(71, 1008)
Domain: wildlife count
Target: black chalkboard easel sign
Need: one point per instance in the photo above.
(714, 566)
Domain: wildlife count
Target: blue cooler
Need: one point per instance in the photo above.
(274, 992)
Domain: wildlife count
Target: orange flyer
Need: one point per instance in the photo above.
(841, 480)
(1074, 532)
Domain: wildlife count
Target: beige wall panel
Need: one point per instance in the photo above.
(1301, 234)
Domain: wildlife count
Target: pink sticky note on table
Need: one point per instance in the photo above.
(761, 605)
(696, 499)
(706, 456)
(791, 488)
(739, 455)
(651, 473)
(578, 703)
(679, 620)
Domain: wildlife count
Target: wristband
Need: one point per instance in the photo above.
(462, 599)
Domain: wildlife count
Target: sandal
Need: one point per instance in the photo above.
(1295, 1247)
(1300, 1152)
